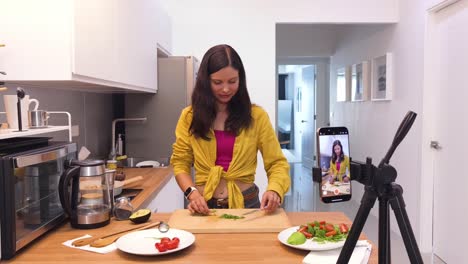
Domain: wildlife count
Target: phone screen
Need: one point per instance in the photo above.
(333, 157)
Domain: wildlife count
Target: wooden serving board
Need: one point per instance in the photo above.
(257, 222)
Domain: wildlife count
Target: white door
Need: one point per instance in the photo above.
(449, 62)
(308, 116)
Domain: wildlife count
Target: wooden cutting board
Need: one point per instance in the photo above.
(257, 222)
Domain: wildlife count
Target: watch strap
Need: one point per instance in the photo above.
(189, 191)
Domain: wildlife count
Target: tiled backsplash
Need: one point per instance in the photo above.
(92, 112)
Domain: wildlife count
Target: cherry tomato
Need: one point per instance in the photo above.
(303, 228)
(329, 227)
(164, 240)
(176, 238)
(344, 228)
(331, 233)
(307, 234)
(161, 247)
(172, 244)
(322, 222)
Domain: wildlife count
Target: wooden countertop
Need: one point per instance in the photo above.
(207, 249)
(154, 179)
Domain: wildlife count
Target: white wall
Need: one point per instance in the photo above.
(297, 40)
(249, 26)
(372, 125)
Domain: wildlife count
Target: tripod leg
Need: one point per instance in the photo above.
(384, 231)
(367, 202)
(398, 206)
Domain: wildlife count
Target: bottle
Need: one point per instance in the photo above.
(119, 146)
(123, 209)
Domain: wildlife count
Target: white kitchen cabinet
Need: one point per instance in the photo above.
(169, 198)
(105, 45)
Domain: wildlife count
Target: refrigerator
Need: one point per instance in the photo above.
(153, 139)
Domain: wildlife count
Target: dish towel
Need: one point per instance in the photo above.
(102, 250)
(360, 255)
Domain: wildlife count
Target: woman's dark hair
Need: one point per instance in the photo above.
(204, 101)
(334, 157)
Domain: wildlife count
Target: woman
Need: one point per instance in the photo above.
(220, 135)
(339, 164)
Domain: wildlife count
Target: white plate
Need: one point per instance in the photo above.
(143, 242)
(309, 244)
(153, 163)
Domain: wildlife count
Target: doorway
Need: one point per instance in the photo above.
(296, 112)
(444, 128)
(305, 82)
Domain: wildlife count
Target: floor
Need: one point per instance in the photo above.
(302, 197)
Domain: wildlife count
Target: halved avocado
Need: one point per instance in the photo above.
(140, 216)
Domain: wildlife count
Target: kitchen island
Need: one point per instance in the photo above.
(208, 248)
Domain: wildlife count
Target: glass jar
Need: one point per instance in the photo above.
(123, 208)
(111, 164)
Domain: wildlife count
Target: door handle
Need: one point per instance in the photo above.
(303, 121)
(435, 145)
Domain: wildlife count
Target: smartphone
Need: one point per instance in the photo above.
(333, 158)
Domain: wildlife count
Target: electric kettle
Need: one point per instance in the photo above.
(85, 194)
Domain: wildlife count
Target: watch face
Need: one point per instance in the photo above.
(189, 191)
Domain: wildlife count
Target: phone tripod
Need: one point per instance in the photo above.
(381, 184)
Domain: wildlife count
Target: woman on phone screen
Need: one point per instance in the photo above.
(339, 164)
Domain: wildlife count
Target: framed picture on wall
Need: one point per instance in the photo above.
(382, 78)
(360, 81)
(343, 84)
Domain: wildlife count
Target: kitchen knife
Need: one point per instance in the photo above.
(251, 212)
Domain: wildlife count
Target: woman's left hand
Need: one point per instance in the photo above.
(270, 201)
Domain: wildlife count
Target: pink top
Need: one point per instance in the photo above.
(224, 148)
(338, 165)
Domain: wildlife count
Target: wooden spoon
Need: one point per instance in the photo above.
(85, 241)
(102, 242)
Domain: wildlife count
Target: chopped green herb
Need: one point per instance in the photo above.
(230, 216)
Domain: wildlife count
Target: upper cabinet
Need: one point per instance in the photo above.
(105, 45)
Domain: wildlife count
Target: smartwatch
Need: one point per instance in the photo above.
(189, 191)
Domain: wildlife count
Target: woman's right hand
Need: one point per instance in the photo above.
(198, 204)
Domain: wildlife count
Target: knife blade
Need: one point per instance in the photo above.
(251, 212)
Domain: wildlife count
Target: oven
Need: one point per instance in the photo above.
(29, 199)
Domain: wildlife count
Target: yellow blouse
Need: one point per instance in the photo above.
(344, 169)
(188, 150)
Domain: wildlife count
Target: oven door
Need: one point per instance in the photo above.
(29, 194)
